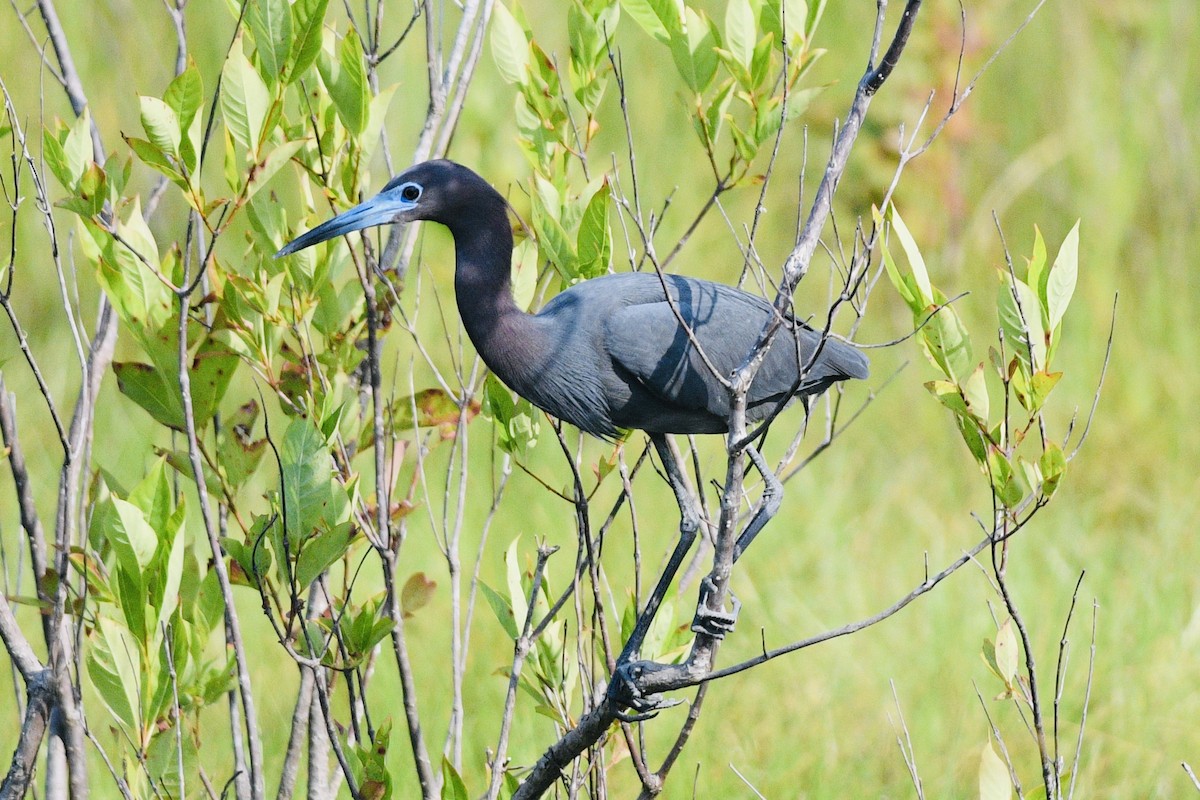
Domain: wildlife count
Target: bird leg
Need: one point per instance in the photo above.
(718, 622)
(624, 687)
(715, 623)
(771, 498)
(689, 524)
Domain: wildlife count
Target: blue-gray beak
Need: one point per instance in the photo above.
(381, 209)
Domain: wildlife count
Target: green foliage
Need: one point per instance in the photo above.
(153, 616)
(1030, 314)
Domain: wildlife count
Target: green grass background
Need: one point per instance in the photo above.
(1092, 113)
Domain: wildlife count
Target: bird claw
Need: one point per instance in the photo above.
(624, 690)
(718, 622)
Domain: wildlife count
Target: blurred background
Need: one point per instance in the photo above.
(1092, 114)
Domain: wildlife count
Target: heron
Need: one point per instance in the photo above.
(637, 350)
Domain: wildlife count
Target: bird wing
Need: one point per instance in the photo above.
(650, 341)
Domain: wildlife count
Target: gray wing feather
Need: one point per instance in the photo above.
(648, 341)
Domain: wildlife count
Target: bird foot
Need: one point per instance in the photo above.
(625, 690)
(715, 623)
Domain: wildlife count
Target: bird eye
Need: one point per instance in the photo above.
(410, 192)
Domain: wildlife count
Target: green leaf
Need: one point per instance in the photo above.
(346, 80)
(264, 170)
(161, 125)
(510, 46)
(1036, 272)
(584, 35)
(212, 369)
(56, 160)
(904, 287)
(947, 343)
(156, 394)
(92, 190)
(654, 16)
(1053, 465)
(594, 242)
(306, 477)
(502, 609)
(994, 780)
(417, 592)
(375, 782)
(516, 585)
(1008, 484)
(77, 147)
(1006, 652)
(949, 395)
(453, 787)
(1019, 310)
(185, 94)
(153, 496)
(740, 31)
(973, 437)
(714, 114)
(524, 273)
(1060, 283)
(244, 100)
(554, 241)
(308, 18)
(320, 552)
(974, 390)
(794, 15)
(915, 261)
(153, 157)
(134, 541)
(164, 588)
(376, 119)
(815, 10)
(114, 674)
(760, 61)
(271, 23)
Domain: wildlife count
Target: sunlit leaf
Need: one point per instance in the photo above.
(161, 124)
(244, 99)
(524, 273)
(271, 23)
(114, 674)
(308, 17)
(594, 242)
(1060, 283)
(1006, 652)
(1036, 273)
(994, 780)
(1053, 465)
(510, 45)
(346, 80)
(1020, 313)
(915, 261)
(77, 147)
(659, 18)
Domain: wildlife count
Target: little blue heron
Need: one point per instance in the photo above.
(613, 352)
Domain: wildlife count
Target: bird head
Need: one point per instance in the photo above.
(426, 191)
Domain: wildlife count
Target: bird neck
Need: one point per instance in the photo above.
(498, 328)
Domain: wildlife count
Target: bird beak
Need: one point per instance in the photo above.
(379, 210)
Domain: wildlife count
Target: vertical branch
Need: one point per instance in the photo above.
(521, 650)
(233, 631)
(40, 690)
